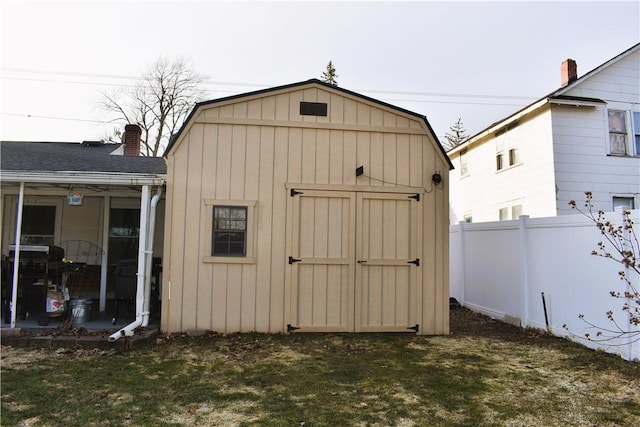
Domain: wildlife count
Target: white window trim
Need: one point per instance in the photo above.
(249, 257)
(635, 130)
(629, 146)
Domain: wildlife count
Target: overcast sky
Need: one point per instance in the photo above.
(479, 61)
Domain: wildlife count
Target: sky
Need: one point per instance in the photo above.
(477, 61)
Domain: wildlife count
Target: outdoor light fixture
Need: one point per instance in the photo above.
(436, 178)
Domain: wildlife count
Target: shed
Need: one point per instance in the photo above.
(309, 208)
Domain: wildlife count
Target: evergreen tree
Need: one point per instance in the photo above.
(456, 136)
(330, 76)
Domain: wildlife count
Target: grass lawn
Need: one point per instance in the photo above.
(485, 374)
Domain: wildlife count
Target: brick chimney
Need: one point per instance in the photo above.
(568, 72)
(131, 140)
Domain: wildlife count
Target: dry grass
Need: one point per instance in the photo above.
(485, 374)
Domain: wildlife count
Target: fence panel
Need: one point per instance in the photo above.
(502, 268)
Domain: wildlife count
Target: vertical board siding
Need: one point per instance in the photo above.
(252, 162)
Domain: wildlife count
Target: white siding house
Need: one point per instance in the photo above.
(585, 136)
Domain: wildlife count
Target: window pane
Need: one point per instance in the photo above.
(516, 211)
(229, 231)
(618, 143)
(623, 202)
(38, 225)
(617, 122)
(124, 222)
(504, 214)
(499, 162)
(513, 156)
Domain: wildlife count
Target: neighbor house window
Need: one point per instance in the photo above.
(516, 211)
(503, 213)
(229, 231)
(464, 168)
(468, 219)
(499, 161)
(636, 132)
(618, 133)
(229, 234)
(38, 225)
(623, 203)
(513, 157)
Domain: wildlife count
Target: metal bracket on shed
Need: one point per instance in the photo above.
(416, 197)
(293, 192)
(415, 328)
(291, 328)
(415, 261)
(292, 260)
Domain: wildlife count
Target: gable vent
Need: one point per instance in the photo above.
(313, 108)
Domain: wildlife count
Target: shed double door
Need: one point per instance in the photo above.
(355, 262)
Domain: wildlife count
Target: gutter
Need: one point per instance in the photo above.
(74, 177)
(143, 288)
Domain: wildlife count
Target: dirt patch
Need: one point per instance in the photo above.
(465, 322)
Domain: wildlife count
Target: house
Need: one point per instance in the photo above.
(92, 203)
(305, 207)
(585, 136)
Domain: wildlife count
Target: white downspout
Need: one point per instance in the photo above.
(16, 257)
(149, 253)
(142, 243)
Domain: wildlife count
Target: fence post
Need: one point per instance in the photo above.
(524, 268)
(463, 262)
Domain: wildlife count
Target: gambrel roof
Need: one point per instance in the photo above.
(311, 82)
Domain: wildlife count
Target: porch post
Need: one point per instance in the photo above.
(16, 258)
(104, 267)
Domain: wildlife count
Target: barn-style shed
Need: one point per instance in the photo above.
(306, 207)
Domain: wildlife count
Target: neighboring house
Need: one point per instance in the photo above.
(306, 207)
(584, 136)
(91, 199)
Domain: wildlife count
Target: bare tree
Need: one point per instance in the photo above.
(330, 76)
(159, 103)
(456, 136)
(621, 245)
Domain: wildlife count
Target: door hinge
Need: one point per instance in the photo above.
(415, 261)
(293, 192)
(415, 328)
(291, 328)
(416, 197)
(292, 260)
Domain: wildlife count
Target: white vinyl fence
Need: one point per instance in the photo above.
(501, 269)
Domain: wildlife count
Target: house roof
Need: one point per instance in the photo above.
(304, 83)
(557, 96)
(21, 158)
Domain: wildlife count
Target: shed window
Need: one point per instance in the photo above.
(229, 231)
(229, 237)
